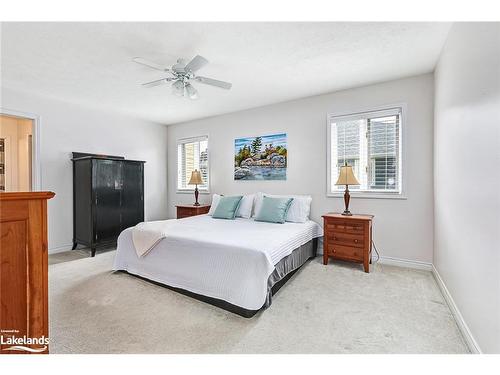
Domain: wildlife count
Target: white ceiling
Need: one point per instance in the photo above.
(90, 63)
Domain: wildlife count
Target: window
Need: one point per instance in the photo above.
(371, 144)
(192, 154)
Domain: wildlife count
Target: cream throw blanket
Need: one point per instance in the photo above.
(148, 234)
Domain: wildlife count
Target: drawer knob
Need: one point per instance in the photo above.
(335, 238)
(355, 241)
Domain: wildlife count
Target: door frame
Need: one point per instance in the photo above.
(36, 172)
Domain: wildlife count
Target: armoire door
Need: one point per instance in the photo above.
(132, 194)
(107, 177)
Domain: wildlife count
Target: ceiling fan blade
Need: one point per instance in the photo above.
(158, 82)
(140, 60)
(196, 63)
(214, 82)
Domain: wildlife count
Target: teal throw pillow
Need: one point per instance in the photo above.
(227, 207)
(274, 210)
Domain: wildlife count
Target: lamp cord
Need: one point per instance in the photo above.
(376, 251)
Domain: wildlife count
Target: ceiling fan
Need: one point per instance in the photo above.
(182, 73)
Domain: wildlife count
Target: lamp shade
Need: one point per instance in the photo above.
(346, 176)
(195, 178)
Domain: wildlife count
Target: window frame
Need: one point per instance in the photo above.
(372, 111)
(181, 141)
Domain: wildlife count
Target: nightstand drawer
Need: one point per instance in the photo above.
(346, 227)
(345, 252)
(346, 239)
(185, 214)
(188, 210)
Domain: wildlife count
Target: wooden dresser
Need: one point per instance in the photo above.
(348, 238)
(190, 210)
(23, 269)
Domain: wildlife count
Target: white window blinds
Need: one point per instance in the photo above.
(370, 143)
(192, 154)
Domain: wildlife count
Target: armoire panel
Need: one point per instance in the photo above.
(132, 199)
(107, 189)
(82, 202)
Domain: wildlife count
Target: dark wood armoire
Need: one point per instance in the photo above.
(108, 197)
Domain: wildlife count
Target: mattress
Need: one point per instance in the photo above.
(229, 260)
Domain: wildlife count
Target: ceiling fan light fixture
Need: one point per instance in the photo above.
(178, 88)
(191, 91)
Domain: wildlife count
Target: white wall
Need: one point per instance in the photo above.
(403, 228)
(66, 128)
(467, 176)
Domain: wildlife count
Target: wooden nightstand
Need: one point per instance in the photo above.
(348, 238)
(190, 210)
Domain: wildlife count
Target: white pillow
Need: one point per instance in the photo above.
(244, 210)
(215, 202)
(258, 203)
(246, 205)
(299, 210)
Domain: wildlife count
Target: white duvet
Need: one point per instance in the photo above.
(225, 259)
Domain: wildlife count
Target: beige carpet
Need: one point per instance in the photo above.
(322, 309)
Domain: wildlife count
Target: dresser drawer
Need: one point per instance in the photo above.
(345, 227)
(345, 252)
(346, 239)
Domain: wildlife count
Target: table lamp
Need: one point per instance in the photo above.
(346, 177)
(195, 180)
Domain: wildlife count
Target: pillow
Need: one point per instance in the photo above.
(245, 209)
(227, 207)
(274, 210)
(215, 202)
(299, 210)
(246, 205)
(258, 202)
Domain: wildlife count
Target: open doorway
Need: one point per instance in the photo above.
(16, 153)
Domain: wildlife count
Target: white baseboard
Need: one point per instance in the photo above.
(462, 326)
(414, 264)
(60, 249)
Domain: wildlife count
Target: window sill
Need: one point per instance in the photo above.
(367, 195)
(191, 191)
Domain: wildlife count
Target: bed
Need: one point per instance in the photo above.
(234, 264)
